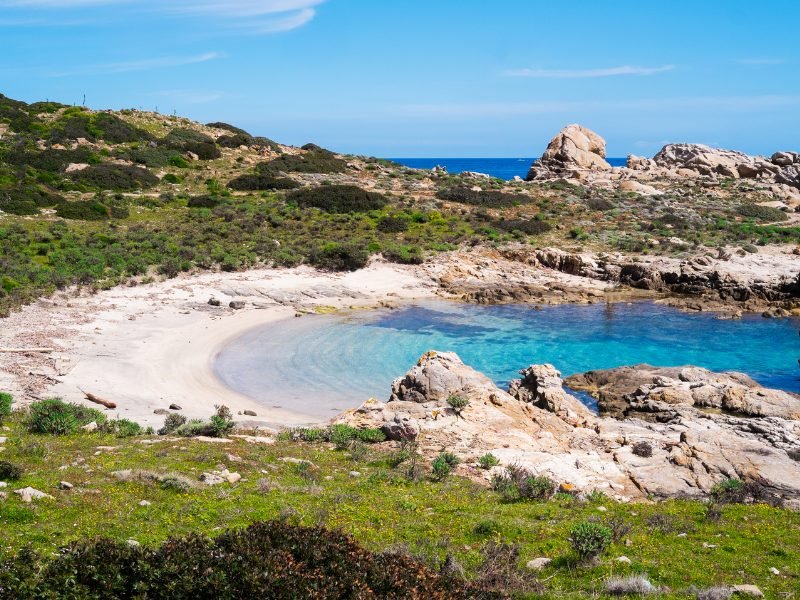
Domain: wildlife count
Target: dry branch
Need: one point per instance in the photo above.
(98, 400)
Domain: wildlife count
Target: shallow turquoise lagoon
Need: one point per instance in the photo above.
(320, 365)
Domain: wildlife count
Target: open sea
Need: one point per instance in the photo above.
(503, 168)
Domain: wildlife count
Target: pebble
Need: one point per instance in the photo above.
(355, 474)
(537, 564)
(250, 413)
(174, 407)
(133, 543)
(774, 571)
(65, 485)
(145, 503)
(602, 508)
(623, 559)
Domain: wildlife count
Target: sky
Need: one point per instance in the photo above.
(425, 78)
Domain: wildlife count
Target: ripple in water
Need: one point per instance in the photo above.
(320, 365)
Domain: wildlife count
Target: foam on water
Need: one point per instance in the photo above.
(320, 365)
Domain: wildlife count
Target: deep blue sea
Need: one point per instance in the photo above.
(503, 168)
(322, 364)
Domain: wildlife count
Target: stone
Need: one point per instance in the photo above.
(233, 477)
(214, 301)
(133, 543)
(145, 503)
(295, 461)
(574, 148)
(237, 304)
(75, 167)
(3, 484)
(3, 439)
(65, 485)
(774, 571)
(748, 590)
(635, 187)
(355, 474)
(250, 413)
(161, 412)
(30, 494)
(537, 564)
(90, 426)
(623, 560)
(783, 159)
(175, 407)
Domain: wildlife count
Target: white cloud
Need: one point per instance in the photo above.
(760, 61)
(257, 16)
(588, 73)
(140, 65)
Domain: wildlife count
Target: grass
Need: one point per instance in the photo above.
(381, 509)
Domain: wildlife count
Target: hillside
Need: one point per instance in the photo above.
(97, 198)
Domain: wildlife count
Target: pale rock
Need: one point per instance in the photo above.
(65, 485)
(572, 150)
(75, 167)
(90, 426)
(145, 503)
(748, 590)
(537, 564)
(30, 494)
(629, 185)
(623, 560)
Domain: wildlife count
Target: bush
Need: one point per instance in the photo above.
(339, 257)
(6, 400)
(338, 198)
(265, 560)
(443, 465)
(60, 418)
(599, 204)
(643, 449)
(762, 213)
(487, 461)
(122, 428)
(171, 423)
(518, 483)
(9, 471)
(371, 435)
(487, 199)
(341, 435)
(219, 425)
(313, 161)
(120, 178)
(729, 491)
(227, 127)
(589, 539)
(235, 140)
(526, 226)
(27, 200)
(204, 201)
(404, 255)
(203, 150)
(83, 210)
(261, 182)
(392, 224)
(458, 403)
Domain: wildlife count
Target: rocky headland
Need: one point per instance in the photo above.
(660, 432)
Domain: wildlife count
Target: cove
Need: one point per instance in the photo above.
(320, 365)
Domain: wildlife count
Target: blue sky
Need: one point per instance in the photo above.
(425, 78)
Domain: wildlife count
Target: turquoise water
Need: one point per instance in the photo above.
(320, 365)
(503, 168)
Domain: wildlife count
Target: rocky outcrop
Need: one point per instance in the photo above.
(575, 148)
(654, 393)
(543, 428)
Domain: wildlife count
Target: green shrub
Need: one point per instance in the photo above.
(458, 403)
(264, 560)
(115, 177)
(219, 425)
(310, 435)
(122, 428)
(178, 161)
(313, 161)
(83, 210)
(235, 140)
(370, 435)
(443, 465)
(60, 418)
(172, 178)
(518, 483)
(6, 400)
(173, 484)
(339, 257)
(227, 127)
(10, 471)
(27, 200)
(764, 214)
(599, 204)
(487, 461)
(338, 198)
(487, 199)
(589, 539)
(204, 201)
(261, 182)
(341, 435)
(392, 224)
(486, 528)
(203, 150)
(729, 491)
(526, 226)
(404, 255)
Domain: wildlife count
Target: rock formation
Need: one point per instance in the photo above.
(543, 428)
(574, 149)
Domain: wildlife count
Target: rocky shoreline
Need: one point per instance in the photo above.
(676, 433)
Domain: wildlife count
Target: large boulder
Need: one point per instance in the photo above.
(703, 159)
(575, 148)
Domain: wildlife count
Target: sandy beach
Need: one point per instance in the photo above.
(150, 346)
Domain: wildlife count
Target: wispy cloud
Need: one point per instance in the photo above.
(256, 16)
(760, 61)
(588, 73)
(148, 64)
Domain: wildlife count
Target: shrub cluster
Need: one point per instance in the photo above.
(315, 160)
(27, 200)
(339, 434)
(121, 178)
(486, 199)
(6, 400)
(589, 539)
(90, 210)
(265, 560)
(261, 182)
(443, 465)
(338, 198)
(518, 483)
(219, 425)
(335, 256)
(56, 417)
(390, 224)
(10, 471)
(526, 226)
(765, 214)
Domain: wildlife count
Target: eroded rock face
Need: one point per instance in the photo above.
(575, 148)
(653, 393)
(543, 428)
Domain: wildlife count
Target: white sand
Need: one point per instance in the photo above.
(149, 346)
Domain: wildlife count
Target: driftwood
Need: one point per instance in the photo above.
(28, 350)
(44, 376)
(97, 400)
